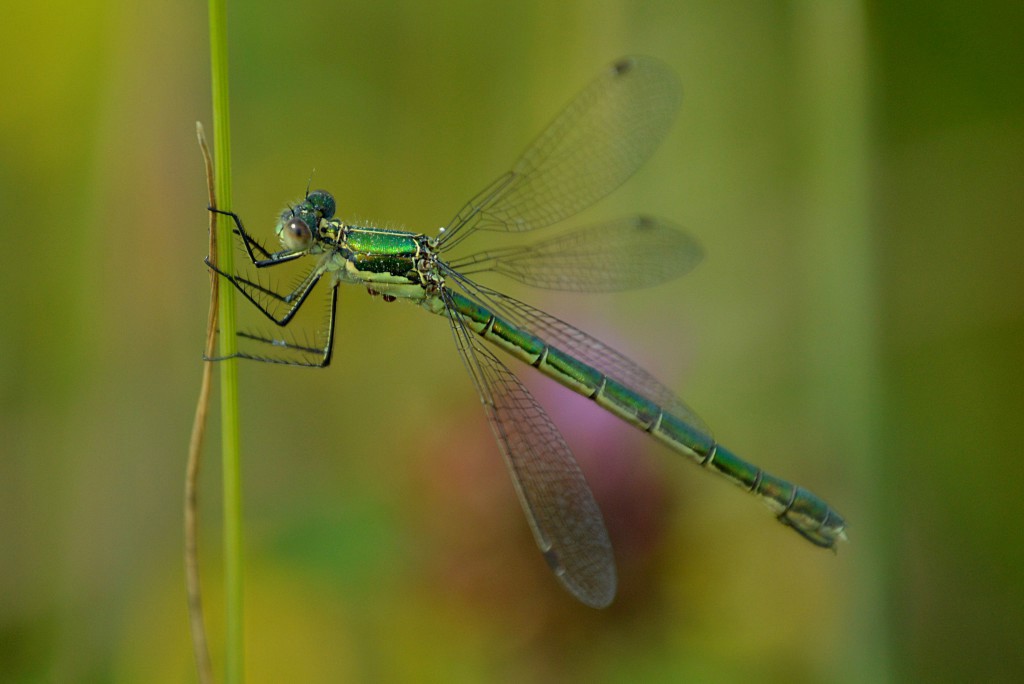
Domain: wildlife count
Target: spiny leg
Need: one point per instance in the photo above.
(293, 300)
(292, 353)
(252, 245)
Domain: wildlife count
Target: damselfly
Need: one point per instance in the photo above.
(596, 143)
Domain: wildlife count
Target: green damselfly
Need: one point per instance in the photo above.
(605, 134)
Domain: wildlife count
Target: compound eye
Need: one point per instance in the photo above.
(296, 235)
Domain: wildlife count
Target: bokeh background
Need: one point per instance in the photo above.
(854, 172)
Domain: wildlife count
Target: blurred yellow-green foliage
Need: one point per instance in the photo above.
(854, 173)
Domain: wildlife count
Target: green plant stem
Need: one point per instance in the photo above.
(234, 652)
(841, 333)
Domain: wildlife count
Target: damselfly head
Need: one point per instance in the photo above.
(300, 223)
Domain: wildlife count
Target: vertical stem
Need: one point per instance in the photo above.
(839, 274)
(234, 653)
(193, 585)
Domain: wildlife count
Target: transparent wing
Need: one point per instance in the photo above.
(598, 141)
(584, 347)
(558, 503)
(624, 254)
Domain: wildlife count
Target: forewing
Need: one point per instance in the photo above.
(598, 141)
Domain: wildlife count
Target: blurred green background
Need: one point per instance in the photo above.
(854, 173)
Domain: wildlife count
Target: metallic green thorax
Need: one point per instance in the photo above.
(393, 263)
